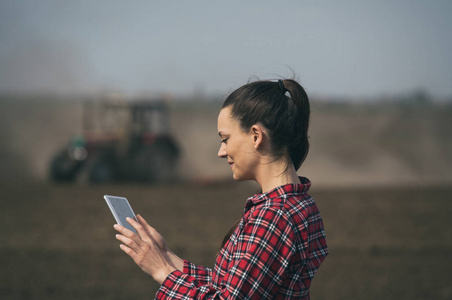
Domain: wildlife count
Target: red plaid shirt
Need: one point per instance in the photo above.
(273, 253)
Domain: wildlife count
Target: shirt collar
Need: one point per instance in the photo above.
(291, 188)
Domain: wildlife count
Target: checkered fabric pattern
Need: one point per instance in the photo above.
(273, 254)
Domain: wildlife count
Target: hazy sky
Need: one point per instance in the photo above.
(336, 48)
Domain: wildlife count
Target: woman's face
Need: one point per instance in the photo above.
(236, 146)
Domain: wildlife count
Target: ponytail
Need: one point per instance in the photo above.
(299, 148)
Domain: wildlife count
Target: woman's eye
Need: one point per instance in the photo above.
(224, 140)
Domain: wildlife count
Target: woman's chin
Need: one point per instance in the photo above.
(238, 177)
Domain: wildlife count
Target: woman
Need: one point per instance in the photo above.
(279, 243)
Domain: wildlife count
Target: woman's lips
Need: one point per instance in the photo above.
(230, 163)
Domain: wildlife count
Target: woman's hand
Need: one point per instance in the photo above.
(148, 249)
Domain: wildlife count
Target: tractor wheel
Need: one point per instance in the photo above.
(63, 167)
(155, 164)
(101, 171)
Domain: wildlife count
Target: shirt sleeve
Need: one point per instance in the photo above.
(262, 254)
(202, 274)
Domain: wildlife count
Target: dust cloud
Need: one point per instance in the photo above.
(350, 144)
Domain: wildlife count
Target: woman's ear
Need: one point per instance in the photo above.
(258, 136)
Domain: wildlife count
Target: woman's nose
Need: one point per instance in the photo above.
(222, 151)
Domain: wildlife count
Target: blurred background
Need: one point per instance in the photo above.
(77, 77)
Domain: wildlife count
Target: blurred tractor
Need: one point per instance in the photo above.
(122, 141)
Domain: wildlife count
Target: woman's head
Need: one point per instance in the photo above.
(282, 107)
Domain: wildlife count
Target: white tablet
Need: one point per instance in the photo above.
(121, 209)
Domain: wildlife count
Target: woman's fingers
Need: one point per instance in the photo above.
(143, 221)
(127, 236)
(146, 249)
(154, 234)
(128, 246)
(133, 254)
(124, 231)
(130, 239)
(126, 240)
(150, 230)
(140, 229)
(134, 245)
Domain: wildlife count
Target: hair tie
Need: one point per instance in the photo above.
(281, 86)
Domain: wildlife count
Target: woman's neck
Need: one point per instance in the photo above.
(274, 174)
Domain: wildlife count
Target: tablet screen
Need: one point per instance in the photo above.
(121, 209)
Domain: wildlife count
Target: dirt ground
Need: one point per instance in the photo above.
(57, 241)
